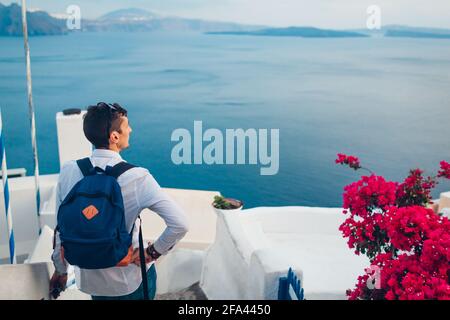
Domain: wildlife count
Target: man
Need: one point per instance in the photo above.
(107, 128)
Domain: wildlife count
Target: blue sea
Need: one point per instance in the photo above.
(384, 100)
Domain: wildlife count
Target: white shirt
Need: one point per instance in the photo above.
(139, 190)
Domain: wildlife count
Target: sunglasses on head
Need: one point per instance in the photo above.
(112, 108)
(115, 107)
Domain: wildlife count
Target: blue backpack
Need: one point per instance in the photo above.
(91, 219)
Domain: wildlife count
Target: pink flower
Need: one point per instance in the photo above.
(445, 170)
(366, 200)
(415, 190)
(408, 243)
(409, 227)
(351, 161)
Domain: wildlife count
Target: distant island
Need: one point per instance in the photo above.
(124, 20)
(306, 32)
(134, 19)
(415, 34)
(39, 22)
(139, 20)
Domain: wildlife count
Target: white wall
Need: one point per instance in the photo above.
(24, 212)
(72, 143)
(255, 247)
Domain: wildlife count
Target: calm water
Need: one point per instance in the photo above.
(385, 100)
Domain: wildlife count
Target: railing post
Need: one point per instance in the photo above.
(283, 288)
(31, 113)
(285, 285)
(9, 223)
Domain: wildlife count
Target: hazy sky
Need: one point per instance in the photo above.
(321, 13)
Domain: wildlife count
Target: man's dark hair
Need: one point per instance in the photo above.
(100, 120)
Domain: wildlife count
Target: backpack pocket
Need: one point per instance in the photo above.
(94, 253)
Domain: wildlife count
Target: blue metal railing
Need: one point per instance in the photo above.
(290, 287)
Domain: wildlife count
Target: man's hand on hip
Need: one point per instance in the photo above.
(136, 258)
(57, 284)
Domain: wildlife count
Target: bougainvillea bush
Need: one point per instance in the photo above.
(407, 243)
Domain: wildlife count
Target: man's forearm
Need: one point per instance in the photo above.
(57, 256)
(168, 239)
(177, 225)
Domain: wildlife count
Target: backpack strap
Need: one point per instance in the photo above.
(119, 169)
(85, 166)
(143, 264)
